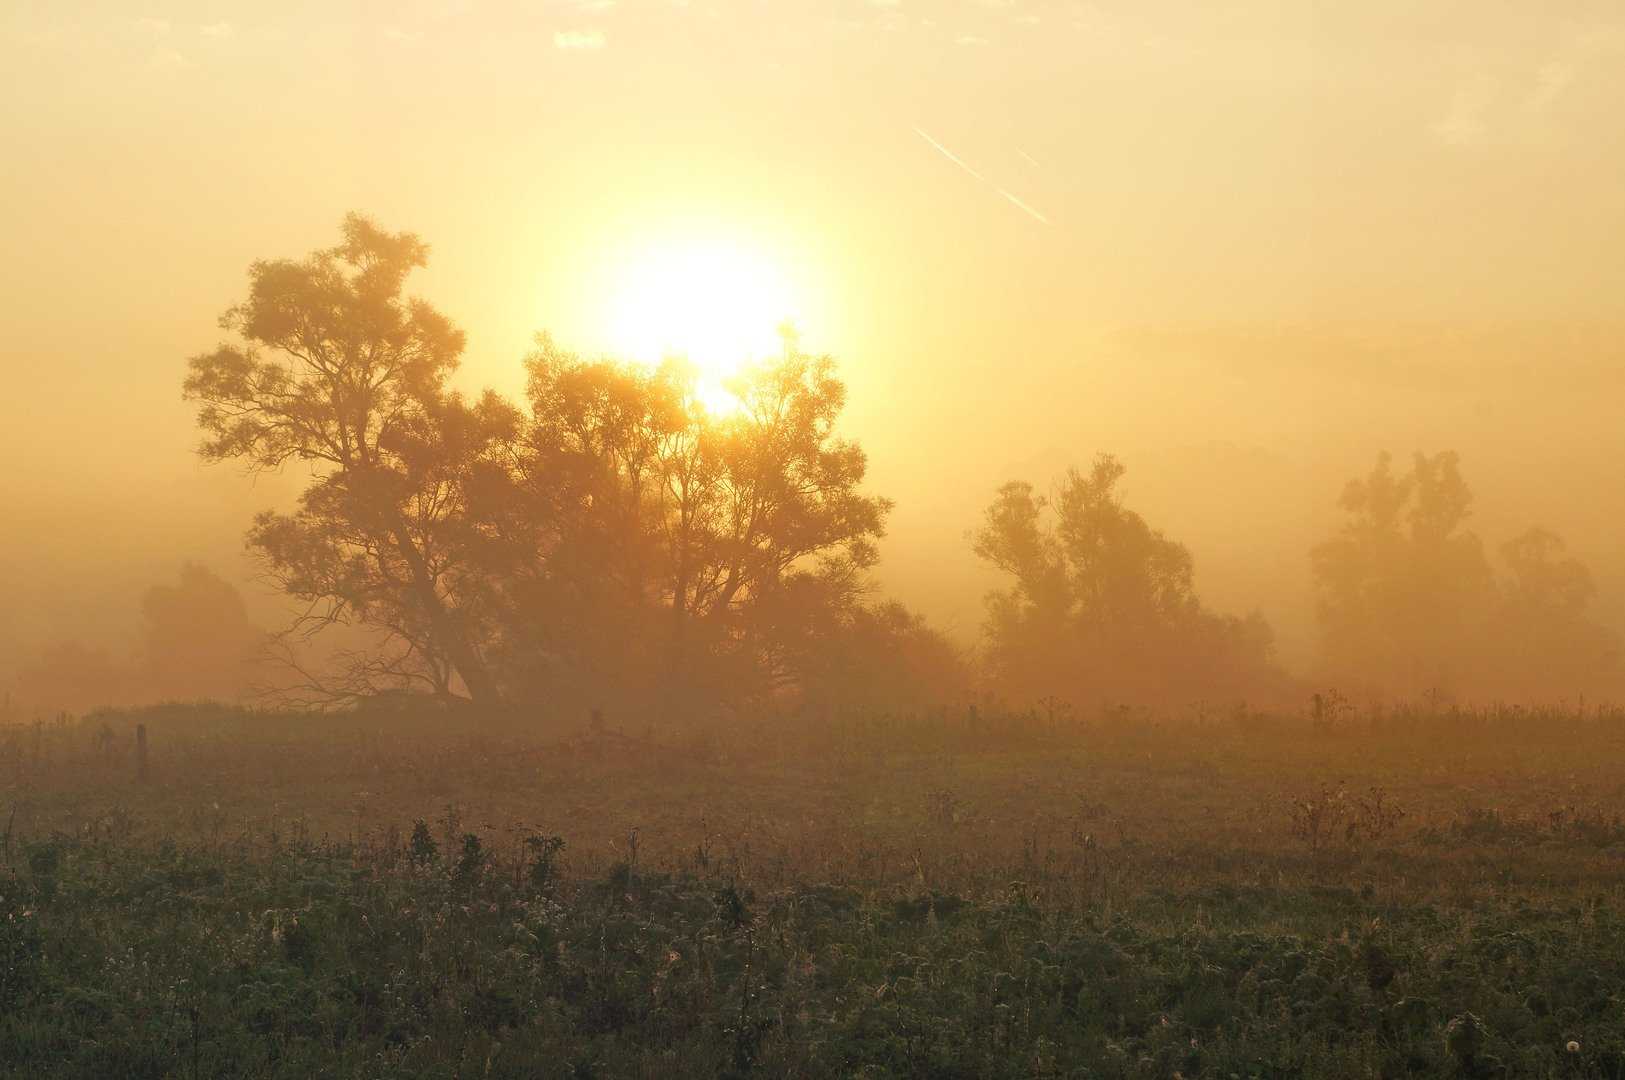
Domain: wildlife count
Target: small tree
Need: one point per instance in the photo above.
(1104, 606)
(1404, 589)
(198, 641)
(1408, 600)
(1545, 640)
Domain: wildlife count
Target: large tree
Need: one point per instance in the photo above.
(1103, 606)
(337, 370)
(575, 531)
(660, 543)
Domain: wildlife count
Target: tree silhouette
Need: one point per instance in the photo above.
(197, 638)
(1404, 589)
(337, 370)
(1544, 637)
(651, 538)
(876, 658)
(1104, 606)
(1408, 601)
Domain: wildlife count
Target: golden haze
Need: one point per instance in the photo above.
(1243, 250)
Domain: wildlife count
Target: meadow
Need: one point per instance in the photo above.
(1419, 891)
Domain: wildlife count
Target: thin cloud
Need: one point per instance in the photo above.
(1034, 214)
(169, 60)
(579, 40)
(218, 31)
(1577, 61)
(949, 154)
(1465, 122)
(1551, 82)
(957, 160)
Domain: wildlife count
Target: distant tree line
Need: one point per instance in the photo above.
(1409, 603)
(610, 542)
(196, 641)
(1103, 606)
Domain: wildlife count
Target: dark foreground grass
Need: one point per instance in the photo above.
(137, 961)
(1106, 902)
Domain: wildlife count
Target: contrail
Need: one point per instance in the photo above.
(955, 158)
(1035, 214)
(949, 154)
(1028, 158)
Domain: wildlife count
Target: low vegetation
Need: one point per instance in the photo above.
(971, 893)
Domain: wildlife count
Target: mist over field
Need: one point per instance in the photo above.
(1220, 277)
(1253, 435)
(953, 538)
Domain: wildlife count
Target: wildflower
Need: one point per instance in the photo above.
(1574, 1046)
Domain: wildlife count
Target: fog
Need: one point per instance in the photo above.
(1244, 254)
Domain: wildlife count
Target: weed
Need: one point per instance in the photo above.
(470, 861)
(1316, 819)
(544, 851)
(423, 850)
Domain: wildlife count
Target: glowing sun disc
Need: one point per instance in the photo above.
(719, 306)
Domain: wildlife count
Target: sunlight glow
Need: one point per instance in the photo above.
(718, 305)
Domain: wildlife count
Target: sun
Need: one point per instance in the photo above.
(719, 305)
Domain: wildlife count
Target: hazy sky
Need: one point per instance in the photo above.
(1244, 245)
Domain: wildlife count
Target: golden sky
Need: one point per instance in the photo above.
(1245, 245)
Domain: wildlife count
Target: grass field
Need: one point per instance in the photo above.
(962, 894)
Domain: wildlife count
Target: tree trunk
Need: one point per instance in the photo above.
(471, 668)
(677, 672)
(482, 688)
